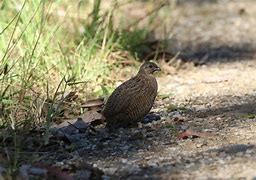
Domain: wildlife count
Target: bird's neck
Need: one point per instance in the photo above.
(145, 75)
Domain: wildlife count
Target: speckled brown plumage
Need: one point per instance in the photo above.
(133, 99)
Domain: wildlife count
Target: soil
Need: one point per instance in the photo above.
(216, 99)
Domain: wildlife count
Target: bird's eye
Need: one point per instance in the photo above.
(150, 66)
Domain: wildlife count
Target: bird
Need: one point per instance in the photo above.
(133, 99)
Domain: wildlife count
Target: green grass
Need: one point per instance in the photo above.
(249, 116)
(43, 53)
(173, 107)
(37, 53)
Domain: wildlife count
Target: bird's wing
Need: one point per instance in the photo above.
(122, 95)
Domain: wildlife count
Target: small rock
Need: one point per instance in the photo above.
(199, 145)
(124, 160)
(38, 171)
(151, 117)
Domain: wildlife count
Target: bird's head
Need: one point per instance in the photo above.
(149, 68)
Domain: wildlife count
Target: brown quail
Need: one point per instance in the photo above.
(133, 99)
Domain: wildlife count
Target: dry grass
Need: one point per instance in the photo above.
(50, 49)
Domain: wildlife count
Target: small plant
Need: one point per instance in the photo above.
(173, 107)
(249, 116)
(172, 128)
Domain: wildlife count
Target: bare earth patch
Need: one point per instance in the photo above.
(219, 100)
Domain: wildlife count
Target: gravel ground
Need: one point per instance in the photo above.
(222, 109)
(216, 99)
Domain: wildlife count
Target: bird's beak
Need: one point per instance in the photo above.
(158, 69)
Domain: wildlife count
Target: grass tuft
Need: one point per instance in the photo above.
(51, 48)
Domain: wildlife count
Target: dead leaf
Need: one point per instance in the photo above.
(80, 124)
(93, 104)
(73, 126)
(178, 120)
(70, 96)
(190, 133)
(88, 171)
(93, 117)
(56, 173)
(61, 106)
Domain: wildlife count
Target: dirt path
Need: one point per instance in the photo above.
(221, 99)
(217, 99)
